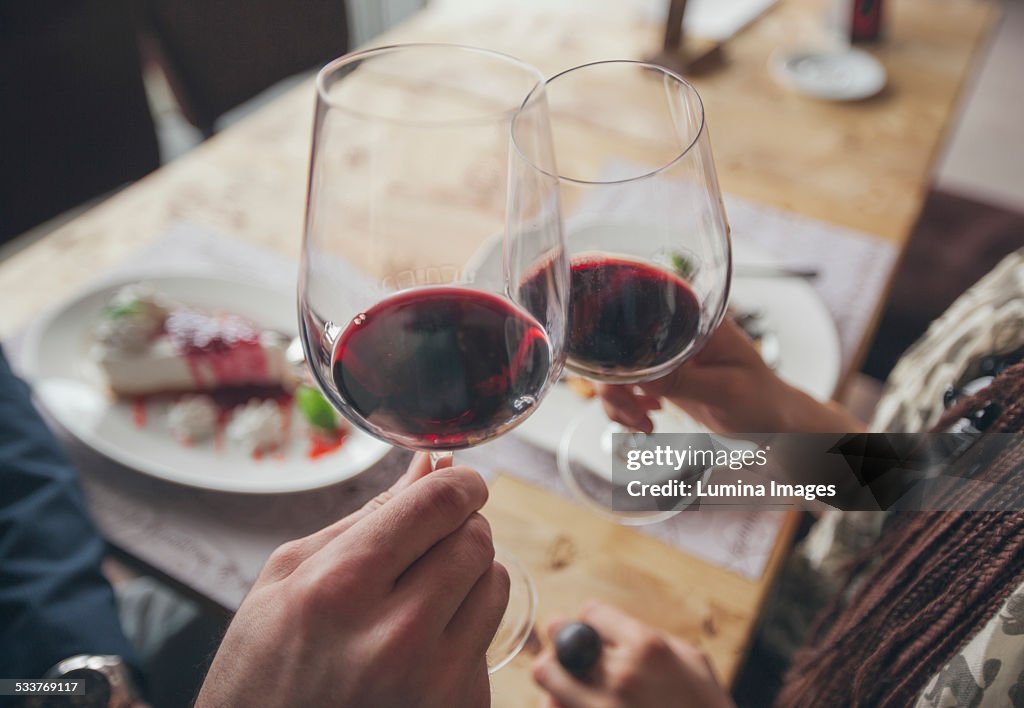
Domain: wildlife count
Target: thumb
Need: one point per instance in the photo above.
(418, 468)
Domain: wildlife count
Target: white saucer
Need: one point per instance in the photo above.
(833, 74)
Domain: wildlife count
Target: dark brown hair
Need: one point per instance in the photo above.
(928, 585)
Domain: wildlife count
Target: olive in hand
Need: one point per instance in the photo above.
(578, 647)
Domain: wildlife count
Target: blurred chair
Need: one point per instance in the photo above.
(956, 241)
(218, 54)
(74, 121)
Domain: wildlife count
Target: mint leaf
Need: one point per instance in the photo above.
(315, 408)
(683, 266)
(124, 309)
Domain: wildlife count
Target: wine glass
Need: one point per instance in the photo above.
(649, 247)
(415, 170)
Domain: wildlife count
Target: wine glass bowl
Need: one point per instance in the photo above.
(414, 169)
(647, 233)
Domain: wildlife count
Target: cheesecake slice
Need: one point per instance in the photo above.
(146, 346)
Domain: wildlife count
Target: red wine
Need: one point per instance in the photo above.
(441, 367)
(624, 316)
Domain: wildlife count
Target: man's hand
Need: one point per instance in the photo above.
(728, 388)
(393, 605)
(639, 668)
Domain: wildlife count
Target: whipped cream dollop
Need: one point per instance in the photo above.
(193, 418)
(257, 427)
(131, 319)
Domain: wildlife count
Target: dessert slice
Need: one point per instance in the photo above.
(146, 346)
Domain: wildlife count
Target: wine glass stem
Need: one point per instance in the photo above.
(437, 457)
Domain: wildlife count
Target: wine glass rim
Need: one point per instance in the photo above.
(646, 175)
(506, 114)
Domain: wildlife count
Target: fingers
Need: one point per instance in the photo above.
(420, 467)
(442, 578)
(624, 405)
(714, 375)
(614, 625)
(611, 624)
(565, 690)
(554, 625)
(474, 624)
(289, 556)
(481, 695)
(397, 534)
(648, 403)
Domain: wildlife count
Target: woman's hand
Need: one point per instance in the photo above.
(393, 605)
(639, 668)
(728, 388)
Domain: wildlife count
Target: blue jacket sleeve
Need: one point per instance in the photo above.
(54, 601)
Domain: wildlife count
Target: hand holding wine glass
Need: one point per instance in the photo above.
(728, 388)
(371, 610)
(650, 255)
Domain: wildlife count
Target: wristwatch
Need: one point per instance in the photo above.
(108, 682)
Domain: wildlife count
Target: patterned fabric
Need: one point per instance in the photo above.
(987, 319)
(989, 671)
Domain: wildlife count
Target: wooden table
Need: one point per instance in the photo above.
(865, 165)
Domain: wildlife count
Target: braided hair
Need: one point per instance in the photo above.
(929, 584)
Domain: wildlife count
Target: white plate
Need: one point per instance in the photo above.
(809, 354)
(72, 390)
(833, 74)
